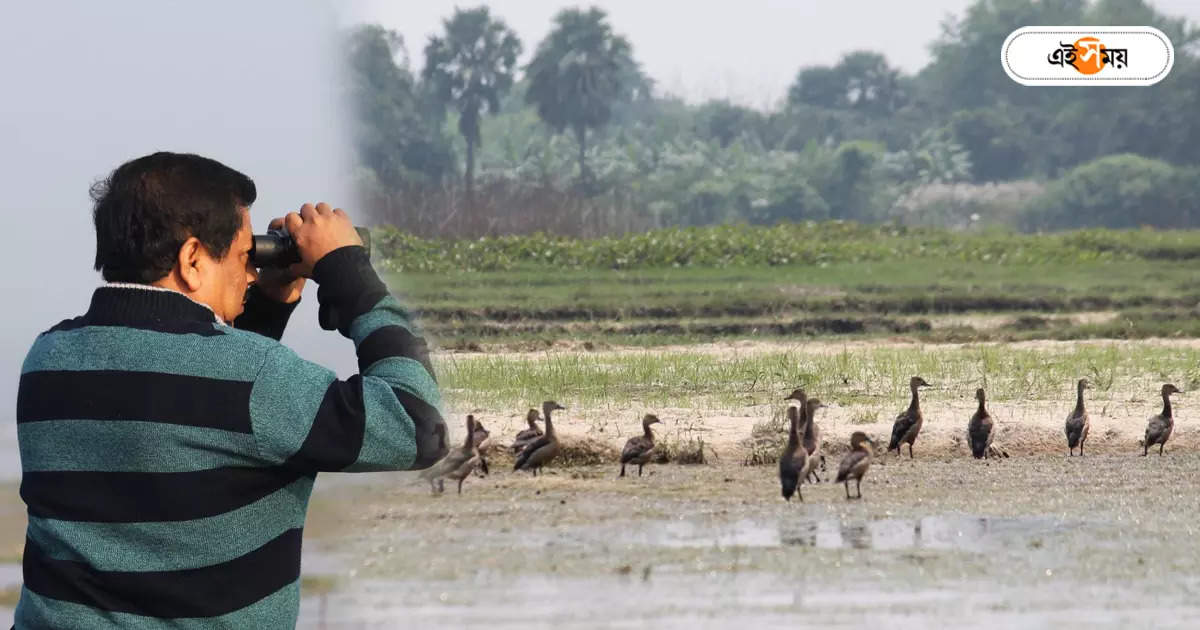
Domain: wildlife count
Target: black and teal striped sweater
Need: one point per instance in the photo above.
(168, 458)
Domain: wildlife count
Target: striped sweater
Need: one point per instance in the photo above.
(168, 458)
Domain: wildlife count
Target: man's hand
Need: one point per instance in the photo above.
(281, 285)
(317, 231)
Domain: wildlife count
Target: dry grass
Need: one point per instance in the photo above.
(585, 451)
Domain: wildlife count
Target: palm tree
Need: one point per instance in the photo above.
(579, 73)
(470, 69)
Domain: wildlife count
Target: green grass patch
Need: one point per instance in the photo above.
(786, 244)
(693, 379)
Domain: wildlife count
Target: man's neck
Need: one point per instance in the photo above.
(167, 287)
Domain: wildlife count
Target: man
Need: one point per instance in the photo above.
(169, 442)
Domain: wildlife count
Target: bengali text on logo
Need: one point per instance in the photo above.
(1087, 55)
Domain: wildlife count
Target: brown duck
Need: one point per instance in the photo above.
(525, 436)
(979, 429)
(1077, 421)
(794, 458)
(908, 423)
(639, 447)
(483, 443)
(811, 440)
(1158, 430)
(540, 451)
(855, 464)
(457, 464)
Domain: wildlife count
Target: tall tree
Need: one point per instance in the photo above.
(581, 71)
(861, 81)
(470, 69)
(394, 140)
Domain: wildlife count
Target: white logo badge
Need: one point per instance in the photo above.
(1087, 55)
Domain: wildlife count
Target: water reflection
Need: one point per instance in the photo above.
(943, 532)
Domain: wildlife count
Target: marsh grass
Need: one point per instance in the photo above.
(766, 440)
(683, 444)
(863, 375)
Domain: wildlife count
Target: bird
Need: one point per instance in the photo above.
(1077, 421)
(908, 422)
(797, 395)
(794, 458)
(855, 464)
(639, 447)
(1158, 430)
(457, 464)
(545, 448)
(525, 436)
(810, 439)
(483, 443)
(979, 429)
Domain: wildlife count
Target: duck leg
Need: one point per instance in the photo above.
(858, 487)
(622, 471)
(483, 466)
(640, 470)
(1160, 448)
(1145, 449)
(847, 484)
(460, 486)
(910, 453)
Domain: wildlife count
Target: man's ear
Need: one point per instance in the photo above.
(189, 262)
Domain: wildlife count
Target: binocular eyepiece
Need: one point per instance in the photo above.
(276, 249)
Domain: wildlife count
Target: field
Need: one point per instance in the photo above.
(711, 341)
(704, 540)
(798, 282)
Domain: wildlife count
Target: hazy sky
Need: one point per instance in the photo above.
(89, 85)
(746, 50)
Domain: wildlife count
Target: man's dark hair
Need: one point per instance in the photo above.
(148, 207)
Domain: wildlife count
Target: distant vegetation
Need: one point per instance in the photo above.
(797, 281)
(779, 245)
(579, 142)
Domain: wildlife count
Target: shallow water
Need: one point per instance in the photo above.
(1031, 542)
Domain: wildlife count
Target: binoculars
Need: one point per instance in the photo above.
(276, 249)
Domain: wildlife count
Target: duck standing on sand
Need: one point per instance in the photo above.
(639, 447)
(979, 429)
(855, 464)
(525, 436)
(542, 450)
(794, 458)
(1077, 421)
(483, 443)
(457, 464)
(810, 440)
(1158, 430)
(908, 423)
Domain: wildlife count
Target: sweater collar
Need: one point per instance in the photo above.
(118, 303)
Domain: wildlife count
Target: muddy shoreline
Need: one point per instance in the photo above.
(984, 544)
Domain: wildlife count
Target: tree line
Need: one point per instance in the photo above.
(577, 141)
